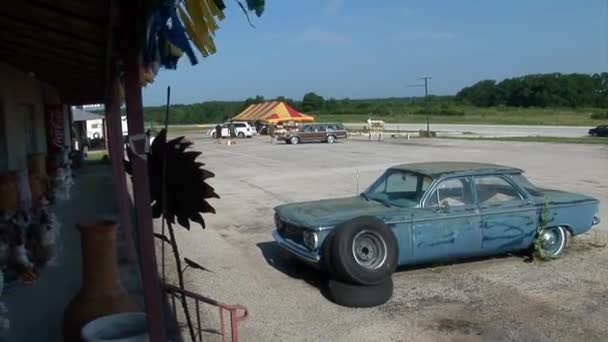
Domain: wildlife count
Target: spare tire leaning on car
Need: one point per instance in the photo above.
(363, 251)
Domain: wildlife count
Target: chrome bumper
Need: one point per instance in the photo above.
(295, 249)
(596, 220)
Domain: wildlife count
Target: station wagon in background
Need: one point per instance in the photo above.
(427, 212)
(326, 132)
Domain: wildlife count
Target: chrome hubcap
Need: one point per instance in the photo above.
(369, 249)
(553, 240)
(549, 239)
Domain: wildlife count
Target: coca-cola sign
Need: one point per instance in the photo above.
(54, 127)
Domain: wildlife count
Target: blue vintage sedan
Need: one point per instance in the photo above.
(427, 212)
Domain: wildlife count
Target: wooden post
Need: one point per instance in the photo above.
(141, 192)
(115, 145)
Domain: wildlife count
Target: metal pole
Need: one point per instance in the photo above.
(153, 298)
(426, 106)
(426, 100)
(116, 147)
(164, 185)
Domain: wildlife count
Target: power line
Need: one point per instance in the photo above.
(426, 100)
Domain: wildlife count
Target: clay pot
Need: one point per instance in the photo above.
(38, 189)
(102, 292)
(9, 198)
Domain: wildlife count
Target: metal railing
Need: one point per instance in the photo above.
(236, 313)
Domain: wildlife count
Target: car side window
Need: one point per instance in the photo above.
(452, 192)
(495, 189)
(401, 182)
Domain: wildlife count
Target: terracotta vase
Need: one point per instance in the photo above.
(9, 199)
(101, 293)
(37, 190)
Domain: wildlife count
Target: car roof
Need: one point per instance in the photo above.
(440, 169)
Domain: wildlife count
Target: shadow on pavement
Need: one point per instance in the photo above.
(292, 267)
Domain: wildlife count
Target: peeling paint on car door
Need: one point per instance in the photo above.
(443, 231)
(508, 219)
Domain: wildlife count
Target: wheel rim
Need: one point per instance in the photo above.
(552, 240)
(330, 139)
(294, 140)
(369, 249)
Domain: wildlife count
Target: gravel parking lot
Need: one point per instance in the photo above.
(503, 298)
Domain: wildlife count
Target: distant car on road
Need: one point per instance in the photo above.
(429, 212)
(317, 132)
(599, 131)
(243, 129)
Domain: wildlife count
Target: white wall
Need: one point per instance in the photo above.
(22, 100)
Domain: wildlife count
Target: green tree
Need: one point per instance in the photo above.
(331, 105)
(312, 102)
(483, 94)
(540, 90)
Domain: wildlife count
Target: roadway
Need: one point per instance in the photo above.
(486, 130)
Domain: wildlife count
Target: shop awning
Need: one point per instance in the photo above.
(273, 111)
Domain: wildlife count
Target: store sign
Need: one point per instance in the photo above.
(54, 126)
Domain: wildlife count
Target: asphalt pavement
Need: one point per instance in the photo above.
(486, 130)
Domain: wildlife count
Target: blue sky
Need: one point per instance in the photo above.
(375, 48)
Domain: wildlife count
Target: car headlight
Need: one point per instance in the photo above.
(311, 239)
(277, 222)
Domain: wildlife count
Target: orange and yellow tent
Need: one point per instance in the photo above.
(272, 112)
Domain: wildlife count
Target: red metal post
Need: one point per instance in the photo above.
(141, 191)
(234, 330)
(223, 330)
(115, 145)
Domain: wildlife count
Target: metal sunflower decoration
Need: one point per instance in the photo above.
(187, 191)
(178, 192)
(185, 182)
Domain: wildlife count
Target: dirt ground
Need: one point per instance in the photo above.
(503, 298)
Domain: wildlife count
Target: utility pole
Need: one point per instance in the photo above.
(426, 100)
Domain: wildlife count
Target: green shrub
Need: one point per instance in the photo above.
(599, 116)
(443, 109)
(450, 111)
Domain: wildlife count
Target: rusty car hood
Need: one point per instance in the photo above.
(327, 213)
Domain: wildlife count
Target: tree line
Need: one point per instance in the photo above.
(536, 90)
(540, 90)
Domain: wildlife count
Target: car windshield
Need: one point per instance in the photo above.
(398, 188)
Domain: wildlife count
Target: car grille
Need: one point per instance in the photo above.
(292, 232)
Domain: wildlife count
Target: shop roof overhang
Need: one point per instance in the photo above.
(65, 43)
